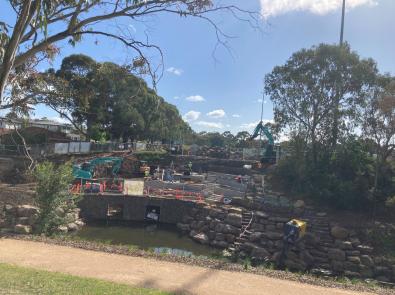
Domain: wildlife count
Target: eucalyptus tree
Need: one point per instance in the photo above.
(37, 26)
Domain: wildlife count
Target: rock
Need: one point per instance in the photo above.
(311, 239)
(183, 226)
(299, 204)
(366, 271)
(220, 244)
(70, 217)
(351, 266)
(352, 274)
(211, 235)
(220, 228)
(337, 254)
(201, 238)
(353, 253)
(27, 210)
(9, 209)
(72, 227)
(297, 265)
(23, 220)
(367, 260)
(260, 253)
(337, 266)
(382, 271)
(59, 212)
(261, 214)
(6, 230)
(220, 237)
(255, 236)
(279, 219)
(339, 232)
(354, 259)
(229, 229)
(273, 235)
(80, 223)
(355, 242)
(365, 249)
(62, 229)
(234, 219)
(344, 245)
(23, 229)
(230, 238)
(235, 210)
(307, 257)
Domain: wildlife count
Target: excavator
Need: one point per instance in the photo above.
(89, 169)
(269, 156)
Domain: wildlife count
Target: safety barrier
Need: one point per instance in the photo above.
(98, 186)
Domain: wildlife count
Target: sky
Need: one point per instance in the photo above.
(219, 89)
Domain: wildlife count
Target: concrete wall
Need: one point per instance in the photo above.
(134, 207)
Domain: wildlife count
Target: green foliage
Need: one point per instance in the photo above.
(112, 102)
(53, 193)
(342, 180)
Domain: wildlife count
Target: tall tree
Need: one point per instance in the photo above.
(379, 123)
(39, 24)
(317, 88)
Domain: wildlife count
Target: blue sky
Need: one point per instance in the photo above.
(222, 93)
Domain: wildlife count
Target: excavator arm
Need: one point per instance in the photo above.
(259, 129)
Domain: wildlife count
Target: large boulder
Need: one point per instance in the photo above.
(339, 232)
(201, 238)
(23, 229)
(234, 219)
(27, 210)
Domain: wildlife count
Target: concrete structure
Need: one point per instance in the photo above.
(133, 208)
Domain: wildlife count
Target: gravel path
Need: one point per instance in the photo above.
(163, 275)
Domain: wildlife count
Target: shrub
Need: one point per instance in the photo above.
(53, 195)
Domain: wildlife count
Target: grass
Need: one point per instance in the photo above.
(21, 280)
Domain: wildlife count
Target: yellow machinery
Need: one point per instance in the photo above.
(294, 230)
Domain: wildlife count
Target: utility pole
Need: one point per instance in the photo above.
(342, 24)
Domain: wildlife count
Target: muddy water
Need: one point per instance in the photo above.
(160, 238)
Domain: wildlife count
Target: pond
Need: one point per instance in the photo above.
(160, 238)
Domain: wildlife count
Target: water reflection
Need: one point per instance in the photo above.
(160, 238)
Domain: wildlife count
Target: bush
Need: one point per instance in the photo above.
(53, 195)
(341, 180)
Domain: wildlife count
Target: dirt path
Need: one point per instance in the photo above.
(150, 273)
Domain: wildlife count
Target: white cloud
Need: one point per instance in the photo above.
(211, 125)
(176, 97)
(276, 7)
(195, 98)
(216, 114)
(175, 71)
(236, 116)
(252, 125)
(191, 116)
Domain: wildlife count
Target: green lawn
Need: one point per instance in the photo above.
(21, 280)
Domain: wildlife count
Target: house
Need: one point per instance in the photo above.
(7, 124)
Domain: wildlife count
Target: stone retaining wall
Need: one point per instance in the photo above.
(325, 249)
